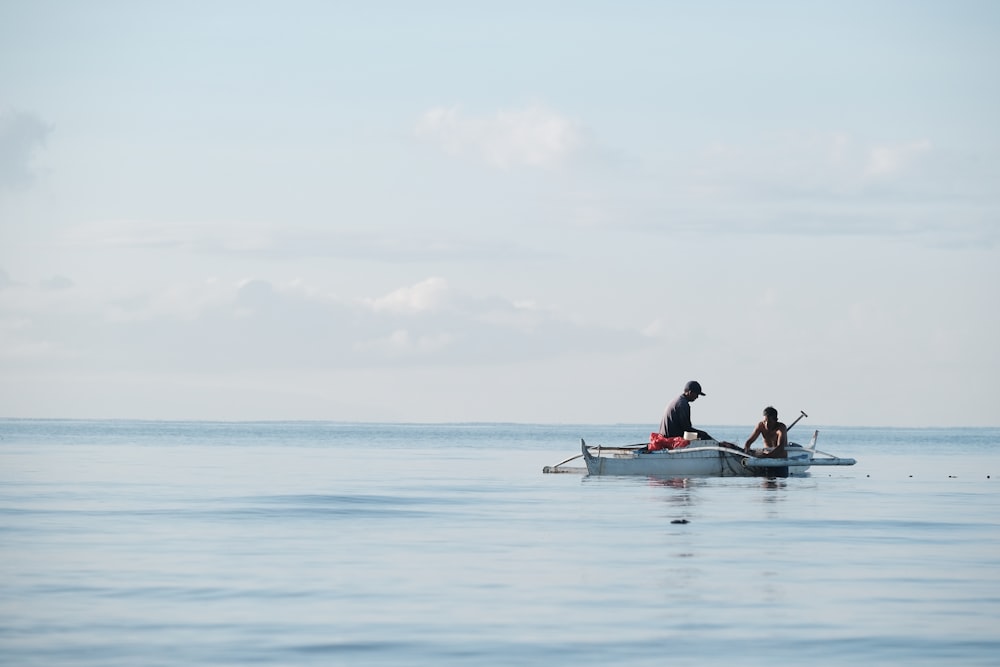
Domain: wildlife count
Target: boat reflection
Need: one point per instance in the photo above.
(686, 488)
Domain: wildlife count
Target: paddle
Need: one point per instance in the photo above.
(797, 420)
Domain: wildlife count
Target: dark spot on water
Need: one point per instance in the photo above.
(679, 521)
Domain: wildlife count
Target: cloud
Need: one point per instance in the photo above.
(809, 184)
(428, 295)
(533, 136)
(255, 324)
(21, 134)
(807, 165)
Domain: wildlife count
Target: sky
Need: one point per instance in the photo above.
(532, 212)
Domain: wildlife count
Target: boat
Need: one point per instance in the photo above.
(704, 458)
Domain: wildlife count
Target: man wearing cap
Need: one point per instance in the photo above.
(677, 417)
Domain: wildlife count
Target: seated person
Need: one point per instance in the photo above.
(677, 416)
(774, 433)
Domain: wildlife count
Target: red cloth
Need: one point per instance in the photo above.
(657, 441)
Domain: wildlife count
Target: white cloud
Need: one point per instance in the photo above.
(807, 184)
(798, 164)
(216, 326)
(533, 136)
(428, 295)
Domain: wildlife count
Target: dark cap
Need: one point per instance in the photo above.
(695, 387)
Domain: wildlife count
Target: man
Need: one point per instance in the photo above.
(677, 417)
(775, 436)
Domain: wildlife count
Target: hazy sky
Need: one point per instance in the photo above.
(510, 211)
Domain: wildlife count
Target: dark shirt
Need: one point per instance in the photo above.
(676, 418)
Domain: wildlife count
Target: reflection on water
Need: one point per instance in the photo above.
(777, 486)
(675, 482)
(683, 492)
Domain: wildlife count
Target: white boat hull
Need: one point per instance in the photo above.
(705, 459)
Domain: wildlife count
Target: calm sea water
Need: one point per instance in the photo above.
(303, 543)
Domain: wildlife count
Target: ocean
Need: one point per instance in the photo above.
(146, 543)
